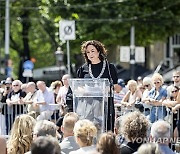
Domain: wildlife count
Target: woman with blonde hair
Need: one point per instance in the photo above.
(156, 96)
(21, 135)
(84, 132)
(107, 144)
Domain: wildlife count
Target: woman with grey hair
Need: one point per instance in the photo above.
(147, 83)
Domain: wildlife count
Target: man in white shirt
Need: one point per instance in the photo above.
(45, 101)
(160, 133)
(61, 97)
(31, 97)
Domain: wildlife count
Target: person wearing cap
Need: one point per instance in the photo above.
(119, 93)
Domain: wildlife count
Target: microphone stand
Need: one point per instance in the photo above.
(110, 102)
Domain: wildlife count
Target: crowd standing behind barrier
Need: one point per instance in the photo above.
(151, 97)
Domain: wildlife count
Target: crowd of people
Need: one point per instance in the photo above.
(143, 116)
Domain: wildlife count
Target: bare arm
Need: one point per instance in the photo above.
(157, 102)
(125, 98)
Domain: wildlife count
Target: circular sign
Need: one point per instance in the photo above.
(68, 30)
(28, 65)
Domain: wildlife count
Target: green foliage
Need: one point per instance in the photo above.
(34, 24)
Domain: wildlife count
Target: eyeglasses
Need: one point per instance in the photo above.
(174, 91)
(15, 85)
(177, 76)
(156, 82)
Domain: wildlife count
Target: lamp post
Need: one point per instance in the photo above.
(59, 59)
(59, 56)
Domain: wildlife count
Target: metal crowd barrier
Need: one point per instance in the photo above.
(9, 113)
(122, 110)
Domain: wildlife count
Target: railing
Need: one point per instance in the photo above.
(174, 142)
(9, 113)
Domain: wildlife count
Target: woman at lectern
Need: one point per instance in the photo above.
(97, 67)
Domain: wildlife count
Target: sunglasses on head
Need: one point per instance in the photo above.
(174, 91)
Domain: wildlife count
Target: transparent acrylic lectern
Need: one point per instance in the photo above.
(90, 98)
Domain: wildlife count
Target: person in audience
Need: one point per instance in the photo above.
(61, 97)
(176, 82)
(107, 144)
(23, 87)
(156, 96)
(31, 97)
(160, 133)
(147, 83)
(172, 103)
(5, 108)
(3, 149)
(2, 88)
(133, 95)
(16, 95)
(119, 92)
(141, 88)
(68, 143)
(84, 132)
(21, 137)
(15, 103)
(6, 90)
(55, 86)
(45, 98)
(44, 128)
(45, 145)
(134, 128)
(117, 131)
(149, 148)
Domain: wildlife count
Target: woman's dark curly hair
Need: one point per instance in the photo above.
(98, 45)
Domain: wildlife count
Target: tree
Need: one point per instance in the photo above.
(34, 24)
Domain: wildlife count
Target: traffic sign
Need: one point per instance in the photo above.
(27, 73)
(67, 30)
(28, 64)
(124, 54)
(140, 54)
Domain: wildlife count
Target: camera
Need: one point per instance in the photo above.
(7, 88)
